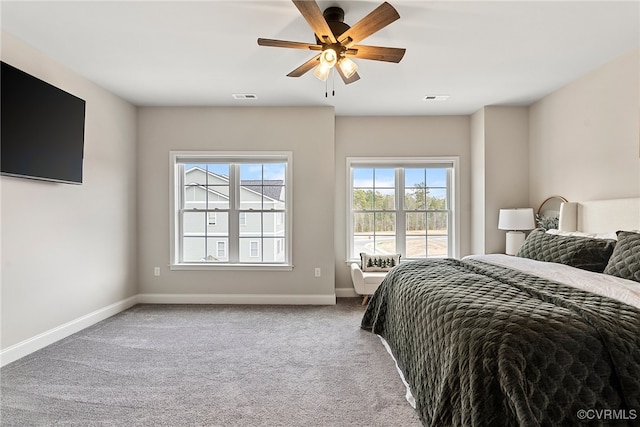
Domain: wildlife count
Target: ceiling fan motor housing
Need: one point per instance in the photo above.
(335, 19)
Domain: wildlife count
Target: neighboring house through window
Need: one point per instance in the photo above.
(221, 249)
(231, 210)
(405, 206)
(254, 248)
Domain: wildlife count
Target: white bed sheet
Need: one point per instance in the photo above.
(408, 395)
(626, 291)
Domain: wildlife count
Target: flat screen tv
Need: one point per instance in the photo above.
(42, 129)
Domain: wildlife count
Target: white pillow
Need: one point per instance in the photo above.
(370, 262)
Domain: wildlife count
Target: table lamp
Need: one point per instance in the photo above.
(515, 220)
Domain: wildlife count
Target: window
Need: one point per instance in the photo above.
(231, 210)
(403, 206)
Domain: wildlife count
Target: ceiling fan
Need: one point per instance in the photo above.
(336, 42)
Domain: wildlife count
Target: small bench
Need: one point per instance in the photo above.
(366, 282)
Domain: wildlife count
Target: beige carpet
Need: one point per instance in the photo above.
(207, 365)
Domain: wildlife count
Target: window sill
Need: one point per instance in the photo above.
(236, 267)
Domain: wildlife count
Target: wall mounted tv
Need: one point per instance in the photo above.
(42, 129)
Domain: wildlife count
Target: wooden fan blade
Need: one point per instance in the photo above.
(355, 77)
(313, 15)
(309, 65)
(379, 18)
(288, 44)
(376, 53)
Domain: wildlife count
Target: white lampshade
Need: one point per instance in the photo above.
(322, 72)
(348, 67)
(516, 219)
(328, 58)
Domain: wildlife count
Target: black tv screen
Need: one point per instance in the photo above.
(42, 129)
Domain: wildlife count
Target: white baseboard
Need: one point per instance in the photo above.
(346, 293)
(23, 348)
(265, 299)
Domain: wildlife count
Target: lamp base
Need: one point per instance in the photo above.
(515, 239)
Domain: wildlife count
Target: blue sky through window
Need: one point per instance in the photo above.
(248, 171)
(364, 177)
(260, 171)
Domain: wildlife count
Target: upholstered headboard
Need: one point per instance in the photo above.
(601, 216)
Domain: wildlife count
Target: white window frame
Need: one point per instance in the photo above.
(407, 162)
(176, 161)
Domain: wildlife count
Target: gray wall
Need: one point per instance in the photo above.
(581, 142)
(478, 193)
(69, 250)
(307, 132)
(499, 172)
(584, 141)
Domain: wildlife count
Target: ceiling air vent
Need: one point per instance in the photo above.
(436, 98)
(244, 96)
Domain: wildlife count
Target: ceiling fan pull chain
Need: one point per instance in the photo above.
(333, 82)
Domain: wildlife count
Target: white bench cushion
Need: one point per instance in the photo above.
(366, 283)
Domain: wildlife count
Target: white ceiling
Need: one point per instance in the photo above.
(175, 53)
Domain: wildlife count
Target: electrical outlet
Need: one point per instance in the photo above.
(317, 272)
(156, 271)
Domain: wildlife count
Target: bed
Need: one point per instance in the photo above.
(545, 338)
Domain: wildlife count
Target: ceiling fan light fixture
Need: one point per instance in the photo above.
(348, 67)
(328, 58)
(322, 72)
